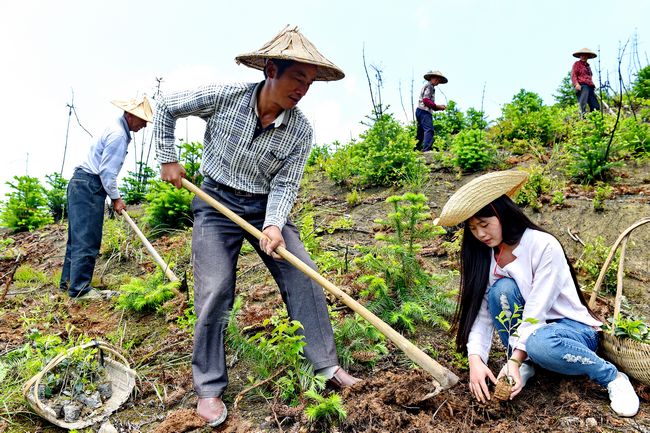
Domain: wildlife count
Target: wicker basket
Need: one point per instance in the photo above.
(117, 368)
(631, 356)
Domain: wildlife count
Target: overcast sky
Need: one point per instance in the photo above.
(106, 50)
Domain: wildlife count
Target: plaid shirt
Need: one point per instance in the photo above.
(429, 92)
(581, 74)
(271, 163)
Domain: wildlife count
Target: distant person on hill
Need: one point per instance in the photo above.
(508, 263)
(426, 106)
(91, 182)
(256, 146)
(581, 78)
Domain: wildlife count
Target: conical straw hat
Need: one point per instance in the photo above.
(478, 193)
(586, 51)
(290, 44)
(137, 106)
(430, 74)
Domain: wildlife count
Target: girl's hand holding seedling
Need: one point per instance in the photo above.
(478, 375)
(511, 369)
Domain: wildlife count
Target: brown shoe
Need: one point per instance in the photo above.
(212, 410)
(342, 379)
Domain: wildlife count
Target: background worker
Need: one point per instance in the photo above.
(581, 78)
(426, 107)
(256, 146)
(92, 181)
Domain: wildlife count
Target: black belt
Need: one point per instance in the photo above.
(238, 192)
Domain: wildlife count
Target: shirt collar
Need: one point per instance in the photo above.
(125, 125)
(283, 117)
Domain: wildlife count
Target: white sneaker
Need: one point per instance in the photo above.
(526, 371)
(622, 397)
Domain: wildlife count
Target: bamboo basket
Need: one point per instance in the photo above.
(122, 379)
(631, 356)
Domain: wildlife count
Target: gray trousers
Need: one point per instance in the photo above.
(216, 242)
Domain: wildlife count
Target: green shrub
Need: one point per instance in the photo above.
(26, 209)
(319, 156)
(591, 156)
(641, 85)
(118, 240)
(169, 207)
(448, 122)
(326, 409)
(565, 95)
(527, 118)
(471, 151)
(358, 341)
(136, 185)
(537, 185)
(191, 154)
(146, 294)
(397, 287)
(602, 193)
(591, 261)
(634, 135)
(56, 195)
(384, 156)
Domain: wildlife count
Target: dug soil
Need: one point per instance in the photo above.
(393, 396)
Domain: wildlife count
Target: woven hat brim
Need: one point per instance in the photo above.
(137, 107)
(443, 79)
(586, 51)
(324, 72)
(478, 193)
(290, 44)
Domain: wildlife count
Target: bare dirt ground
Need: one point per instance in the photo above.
(392, 397)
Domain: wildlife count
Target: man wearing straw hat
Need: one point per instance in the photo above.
(91, 182)
(581, 78)
(426, 107)
(256, 145)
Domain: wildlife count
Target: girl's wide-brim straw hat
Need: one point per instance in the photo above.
(430, 74)
(478, 193)
(137, 106)
(586, 51)
(290, 44)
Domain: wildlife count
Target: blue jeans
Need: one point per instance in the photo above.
(424, 133)
(86, 197)
(216, 242)
(563, 346)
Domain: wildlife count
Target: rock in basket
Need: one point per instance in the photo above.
(121, 376)
(633, 357)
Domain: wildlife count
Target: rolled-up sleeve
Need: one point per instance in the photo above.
(198, 102)
(286, 183)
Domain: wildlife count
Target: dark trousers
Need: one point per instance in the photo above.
(86, 197)
(587, 96)
(425, 130)
(216, 242)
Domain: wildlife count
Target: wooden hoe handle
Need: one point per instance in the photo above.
(443, 376)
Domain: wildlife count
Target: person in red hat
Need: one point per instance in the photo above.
(581, 78)
(93, 180)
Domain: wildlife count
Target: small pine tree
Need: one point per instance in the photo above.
(26, 209)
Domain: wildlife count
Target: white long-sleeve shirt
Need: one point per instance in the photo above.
(106, 155)
(544, 280)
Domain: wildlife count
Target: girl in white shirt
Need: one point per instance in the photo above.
(508, 262)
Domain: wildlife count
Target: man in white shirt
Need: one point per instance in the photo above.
(93, 180)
